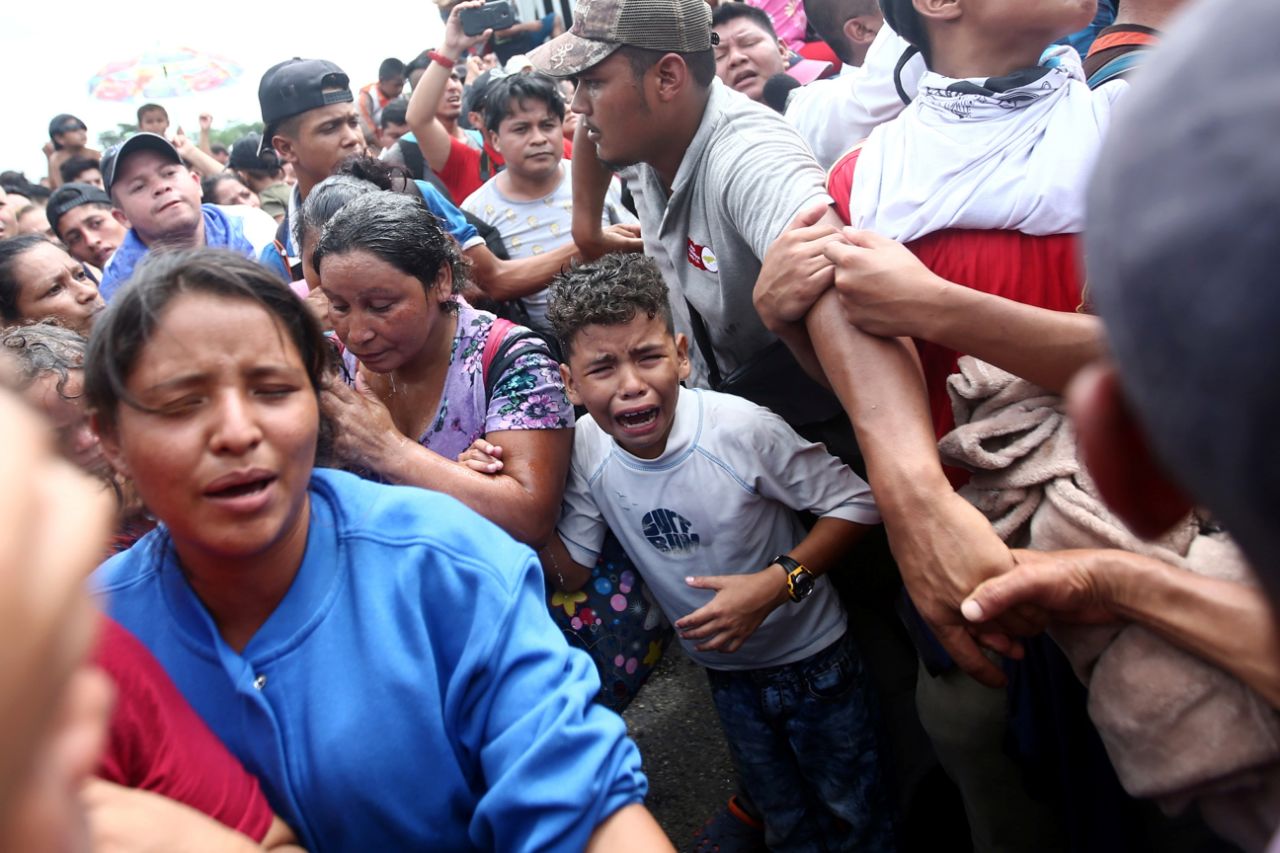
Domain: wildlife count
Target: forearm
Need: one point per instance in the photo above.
(590, 185)
(432, 137)
(1228, 624)
(561, 569)
(508, 280)
(205, 143)
(200, 162)
(629, 830)
(880, 386)
(1042, 346)
(498, 497)
(827, 543)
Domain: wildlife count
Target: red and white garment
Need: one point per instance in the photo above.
(1012, 155)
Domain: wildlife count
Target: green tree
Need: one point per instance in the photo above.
(225, 135)
(123, 131)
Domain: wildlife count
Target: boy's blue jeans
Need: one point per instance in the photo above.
(803, 738)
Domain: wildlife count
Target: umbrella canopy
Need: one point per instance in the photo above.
(160, 74)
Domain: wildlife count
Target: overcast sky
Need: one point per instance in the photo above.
(49, 68)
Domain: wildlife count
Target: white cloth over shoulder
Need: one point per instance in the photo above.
(834, 115)
(970, 154)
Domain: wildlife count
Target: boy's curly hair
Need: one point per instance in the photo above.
(607, 292)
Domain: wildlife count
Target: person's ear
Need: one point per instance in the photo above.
(784, 52)
(108, 441)
(118, 215)
(492, 136)
(862, 29)
(670, 77)
(1115, 450)
(443, 287)
(683, 367)
(570, 388)
(938, 10)
(284, 148)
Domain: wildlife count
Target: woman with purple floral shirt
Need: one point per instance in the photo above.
(391, 275)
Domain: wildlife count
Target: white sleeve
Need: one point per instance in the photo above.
(803, 475)
(581, 527)
(834, 115)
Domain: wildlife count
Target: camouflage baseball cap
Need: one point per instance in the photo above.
(602, 26)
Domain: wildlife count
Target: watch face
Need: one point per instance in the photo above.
(802, 584)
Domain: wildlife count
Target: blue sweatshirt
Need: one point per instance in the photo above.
(410, 692)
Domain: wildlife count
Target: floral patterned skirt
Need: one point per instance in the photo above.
(615, 620)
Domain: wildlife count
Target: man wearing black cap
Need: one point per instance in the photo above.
(261, 173)
(68, 137)
(160, 197)
(82, 217)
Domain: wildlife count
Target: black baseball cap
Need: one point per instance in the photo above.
(296, 86)
(69, 196)
(245, 155)
(138, 142)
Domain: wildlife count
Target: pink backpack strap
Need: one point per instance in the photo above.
(497, 333)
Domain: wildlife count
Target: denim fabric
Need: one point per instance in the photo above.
(803, 738)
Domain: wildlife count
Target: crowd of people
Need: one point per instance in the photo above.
(907, 362)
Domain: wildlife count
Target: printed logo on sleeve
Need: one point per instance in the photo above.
(668, 531)
(703, 257)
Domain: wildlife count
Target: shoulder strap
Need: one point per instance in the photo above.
(897, 72)
(282, 248)
(1115, 68)
(497, 357)
(703, 339)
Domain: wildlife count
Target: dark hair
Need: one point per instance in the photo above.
(517, 89)
(418, 63)
(396, 112)
(11, 251)
(327, 198)
(607, 292)
(377, 174)
(42, 348)
(397, 229)
(903, 19)
(828, 18)
(124, 329)
(150, 108)
(390, 69)
(218, 148)
(702, 65)
(726, 12)
(76, 166)
(209, 186)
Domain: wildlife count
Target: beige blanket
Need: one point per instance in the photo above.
(1176, 728)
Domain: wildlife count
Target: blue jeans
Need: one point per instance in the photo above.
(803, 738)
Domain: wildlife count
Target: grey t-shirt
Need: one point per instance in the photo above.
(744, 177)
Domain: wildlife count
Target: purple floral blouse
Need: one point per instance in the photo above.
(528, 395)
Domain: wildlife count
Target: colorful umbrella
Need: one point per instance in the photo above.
(159, 74)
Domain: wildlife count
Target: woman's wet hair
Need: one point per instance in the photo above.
(11, 252)
(40, 349)
(368, 174)
(326, 199)
(399, 230)
(124, 329)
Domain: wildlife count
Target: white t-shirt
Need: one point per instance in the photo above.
(719, 500)
(529, 228)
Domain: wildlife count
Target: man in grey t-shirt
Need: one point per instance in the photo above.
(716, 177)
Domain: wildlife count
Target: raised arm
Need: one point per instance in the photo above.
(432, 137)
(507, 280)
(590, 187)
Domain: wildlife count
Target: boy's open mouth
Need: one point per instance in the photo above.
(640, 418)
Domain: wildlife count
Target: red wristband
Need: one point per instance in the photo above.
(440, 59)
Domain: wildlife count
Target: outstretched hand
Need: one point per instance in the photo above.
(457, 42)
(1072, 586)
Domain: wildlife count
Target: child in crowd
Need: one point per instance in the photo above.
(702, 489)
(68, 139)
(153, 118)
